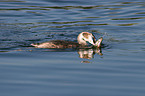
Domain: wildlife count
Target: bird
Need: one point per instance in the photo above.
(84, 40)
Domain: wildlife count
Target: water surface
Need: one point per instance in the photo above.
(115, 70)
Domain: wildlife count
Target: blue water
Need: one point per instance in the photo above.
(118, 69)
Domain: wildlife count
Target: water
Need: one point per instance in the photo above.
(115, 70)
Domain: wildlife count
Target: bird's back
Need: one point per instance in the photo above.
(57, 44)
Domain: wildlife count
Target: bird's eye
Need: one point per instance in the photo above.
(83, 39)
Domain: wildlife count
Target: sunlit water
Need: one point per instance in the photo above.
(118, 69)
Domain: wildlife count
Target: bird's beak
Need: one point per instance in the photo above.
(98, 42)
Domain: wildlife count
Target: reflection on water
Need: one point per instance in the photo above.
(84, 53)
(89, 53)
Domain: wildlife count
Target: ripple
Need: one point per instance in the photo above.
(140, 13)
(134, 18)
(129, 24)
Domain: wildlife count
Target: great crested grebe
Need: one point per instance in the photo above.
(83, 39)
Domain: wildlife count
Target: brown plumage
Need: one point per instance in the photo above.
(57, 44)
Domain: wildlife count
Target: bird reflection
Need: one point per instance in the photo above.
(89, 53)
